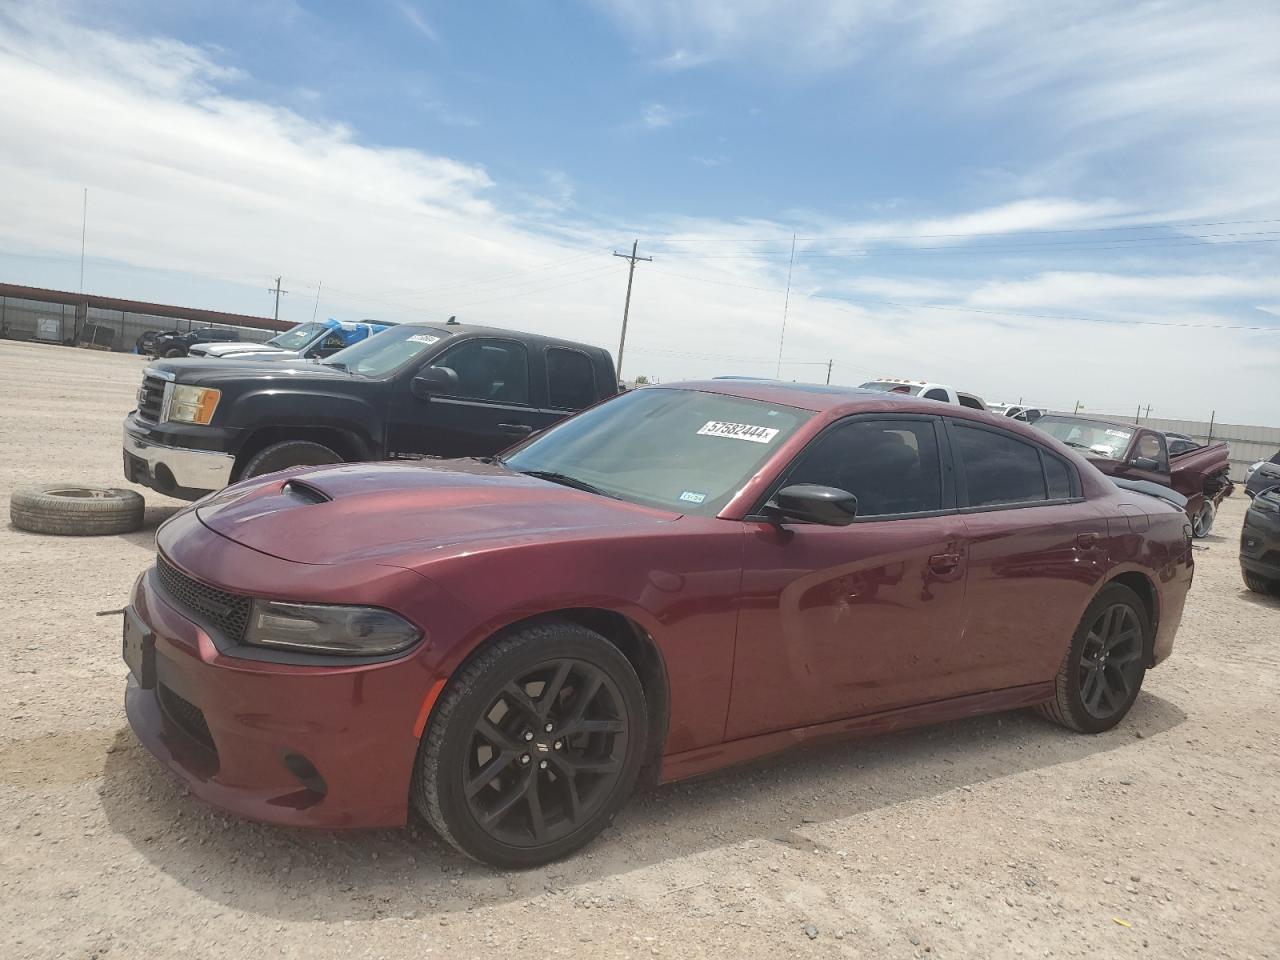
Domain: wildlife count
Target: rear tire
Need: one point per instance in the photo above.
(495, 783)
(1261, 584)
(290, 453)
(72, 510)
(1102, 672)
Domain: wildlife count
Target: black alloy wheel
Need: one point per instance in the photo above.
(1104, 665)
(546, 753)
(1111, 661)
(533, 746)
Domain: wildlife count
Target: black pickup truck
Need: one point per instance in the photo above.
(445, 390)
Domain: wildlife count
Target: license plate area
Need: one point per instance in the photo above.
(139, 645)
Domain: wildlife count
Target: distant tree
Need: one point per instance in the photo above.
(642, 380)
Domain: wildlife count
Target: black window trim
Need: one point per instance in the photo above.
(945, 464)
(546, 372)
(504, 404)
(962, 487)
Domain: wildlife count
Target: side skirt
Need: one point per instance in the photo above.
(692, 763)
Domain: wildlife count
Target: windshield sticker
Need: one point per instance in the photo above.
(423, 338)
(690, 497)
(1118, 433)
(738, 431)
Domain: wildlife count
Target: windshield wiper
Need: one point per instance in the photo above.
(1078, 446)
(567, 481)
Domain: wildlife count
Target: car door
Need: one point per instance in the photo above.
(1147, 458)
(841, 621)
(1036, 552)
(488, 409)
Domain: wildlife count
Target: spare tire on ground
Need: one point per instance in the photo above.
(73, 510)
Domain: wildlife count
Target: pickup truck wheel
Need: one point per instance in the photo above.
(533, 746)
(172, 353)
(1202, 523)
(290, 453)
(1104, 667)
(76, 511)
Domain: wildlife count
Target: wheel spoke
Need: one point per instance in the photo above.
(1088, 686)
(520, 701)
(537, 820)
(495, 736)
(551, 692)
(1122, 659)
(587, 765)
(577, 713)
(1121, 637)
(488, 772)
(568, 776)
(504, 806)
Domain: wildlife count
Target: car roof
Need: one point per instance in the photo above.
(1105, 421)
(821, 398)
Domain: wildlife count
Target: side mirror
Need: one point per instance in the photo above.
(1145, 463)
(434, 380)
(811, 503)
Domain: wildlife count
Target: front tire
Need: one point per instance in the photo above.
(1202, 522)
(533, 747)
(291, 453)
(1260, 584)
(1101, 674)
(173, 353)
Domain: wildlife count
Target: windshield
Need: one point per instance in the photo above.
(384, 353)
(1102, 439)
(298, 337)
(888, 386)
(681, 450)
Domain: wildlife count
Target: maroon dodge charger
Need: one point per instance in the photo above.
(675, 580)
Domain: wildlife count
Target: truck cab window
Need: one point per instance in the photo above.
(494, 370)
(571, 382)
(937, 393)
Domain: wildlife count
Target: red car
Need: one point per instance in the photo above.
(675, 580)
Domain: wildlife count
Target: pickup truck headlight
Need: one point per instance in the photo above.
(325, 628)
(192, 404)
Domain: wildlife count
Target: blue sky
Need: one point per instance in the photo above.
(1076, 202)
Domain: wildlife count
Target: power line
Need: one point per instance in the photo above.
(786, 303)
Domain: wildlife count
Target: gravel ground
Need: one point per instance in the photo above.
(996, 837)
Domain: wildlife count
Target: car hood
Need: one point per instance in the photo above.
(384, 511)
(200, 372)
(227, 349)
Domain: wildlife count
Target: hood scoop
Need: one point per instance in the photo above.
(305, 492)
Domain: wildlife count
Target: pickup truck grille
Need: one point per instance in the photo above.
(227, 612)
(151, 398)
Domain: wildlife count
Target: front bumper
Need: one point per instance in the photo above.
(174, 471)
(1260, 543)
(233, 729)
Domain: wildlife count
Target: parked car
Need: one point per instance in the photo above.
(678, 579)
(1260, 541)
(145, 344)
(306, 341)
(449, 391)
(1127, 450)
(1017, 411)
(926, 390)
(172, 344)
(1263, 474)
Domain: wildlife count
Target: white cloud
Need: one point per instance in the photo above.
(186, 176)
(418, 20)
(655, 116)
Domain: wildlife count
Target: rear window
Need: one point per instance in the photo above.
(888, 386)
(571, 382)
(998, 469)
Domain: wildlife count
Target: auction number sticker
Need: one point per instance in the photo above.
(692, 496)
(1117, 433)
(738, 431)
(426, 338)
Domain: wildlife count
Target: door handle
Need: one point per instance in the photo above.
(944, 562)
(1089, 540)
(516, 429)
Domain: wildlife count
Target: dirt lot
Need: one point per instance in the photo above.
(996, 837)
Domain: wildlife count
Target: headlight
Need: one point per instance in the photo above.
(322, 628)
(192, 404)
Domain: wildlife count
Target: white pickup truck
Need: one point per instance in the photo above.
(929, 391)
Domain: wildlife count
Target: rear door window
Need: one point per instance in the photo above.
(571, 381)
(998, 469)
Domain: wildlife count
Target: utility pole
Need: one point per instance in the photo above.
(829, 363)
(84, 225)
(1147, 415)
(626, 306)
(277, 291)
(1077, 409)
(786, 303)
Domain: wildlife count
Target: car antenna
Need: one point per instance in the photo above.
(452, 321)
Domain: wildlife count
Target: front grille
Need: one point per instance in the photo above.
(186, 715)
(151, 398)
(227, 612)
